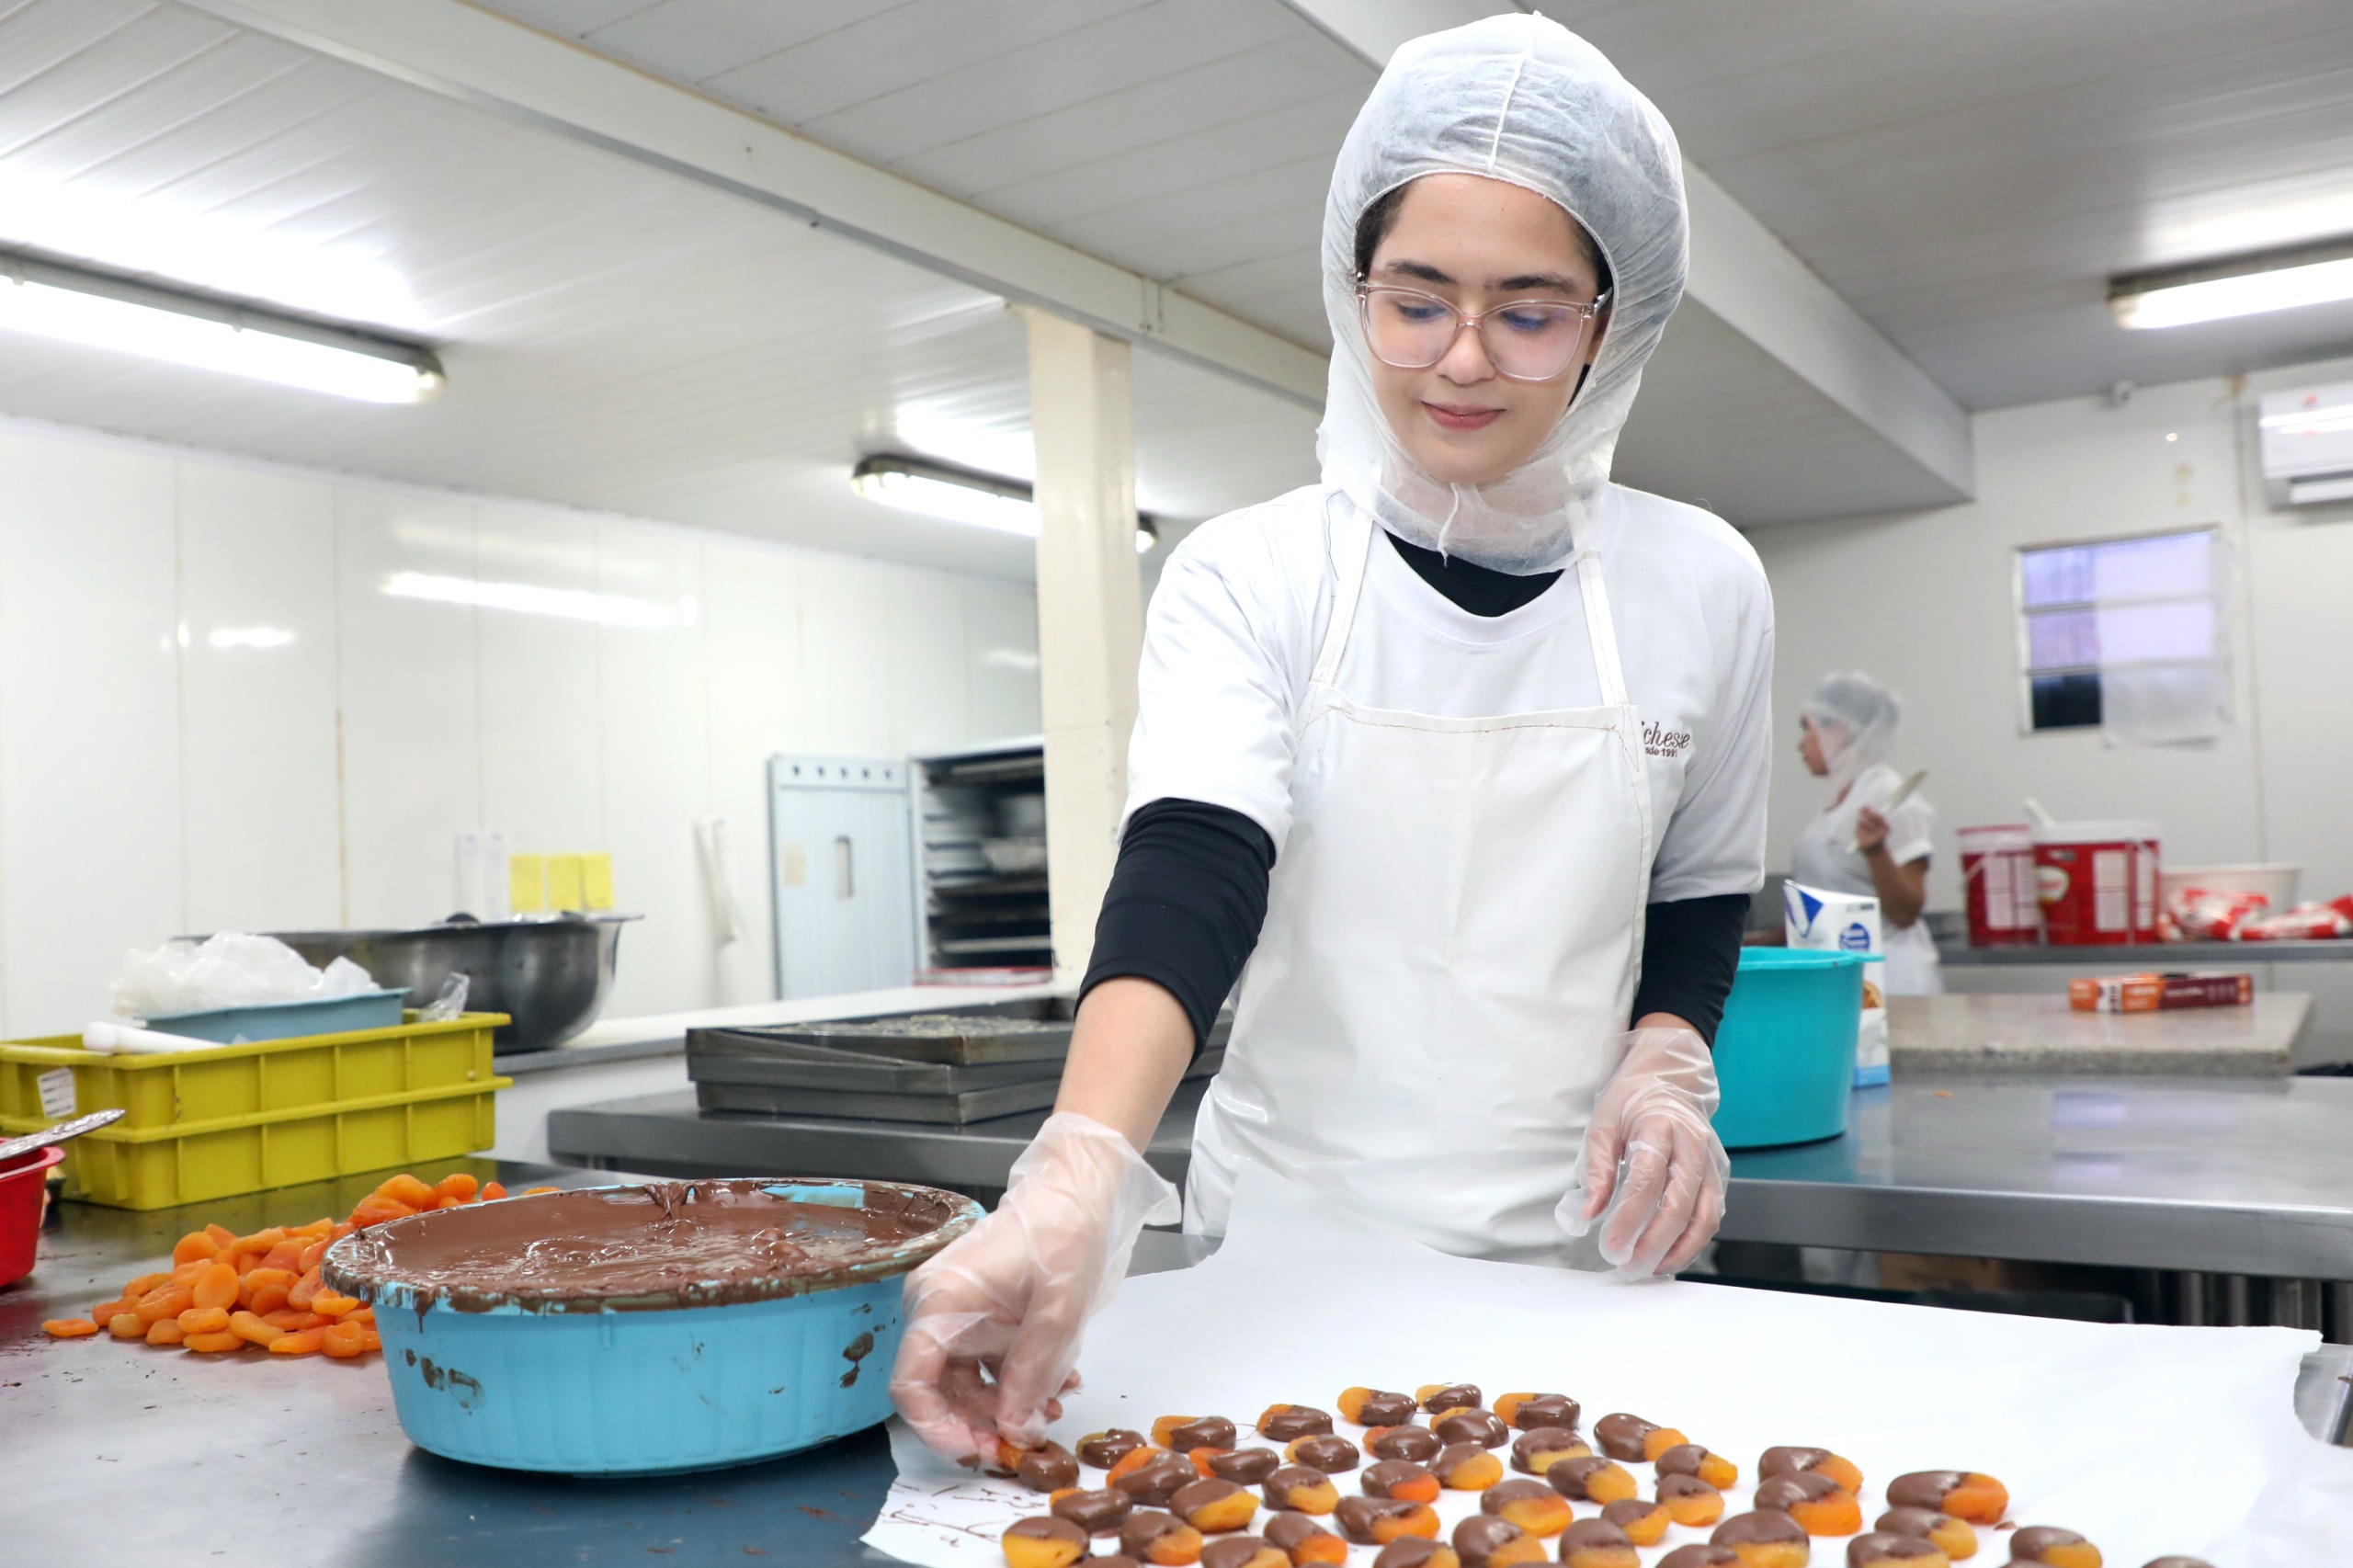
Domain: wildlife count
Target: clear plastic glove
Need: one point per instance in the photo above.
(1653, 1171)
(994, 1322)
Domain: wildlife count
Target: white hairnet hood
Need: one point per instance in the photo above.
(1855, 721)
(1523, 99)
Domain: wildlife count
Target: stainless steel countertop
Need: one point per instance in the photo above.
(127, 1453)
(2155, 955)
(2227, 1176)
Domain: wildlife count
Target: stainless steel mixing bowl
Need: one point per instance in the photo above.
(550, 977)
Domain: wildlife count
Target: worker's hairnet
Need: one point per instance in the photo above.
(1855, 721)
(1517, 99)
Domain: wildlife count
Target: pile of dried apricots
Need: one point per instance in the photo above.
(226, 1292)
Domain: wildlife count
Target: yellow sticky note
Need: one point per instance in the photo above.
(564, 882)
(596, 882)
(526, 883)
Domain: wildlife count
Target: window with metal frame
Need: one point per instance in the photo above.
(2123, 631)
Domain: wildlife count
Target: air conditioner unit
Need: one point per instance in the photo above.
(2308, 445)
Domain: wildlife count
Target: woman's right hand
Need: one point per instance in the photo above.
(994, 1323)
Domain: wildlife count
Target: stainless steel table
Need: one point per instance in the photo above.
(2152, 956)
(2214, 1179)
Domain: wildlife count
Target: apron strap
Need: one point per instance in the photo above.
(1603, 631)
(1349, 536)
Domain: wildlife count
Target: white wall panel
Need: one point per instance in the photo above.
(412, 762)
(542, 777)
(1001, 661)
(655, 735)
(930, 695)
(90, 832)
(752, 644)
(844, 654)
(257, 700)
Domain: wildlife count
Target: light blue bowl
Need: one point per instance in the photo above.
(1785, 1051)
(645, 1389)
(286, 1020)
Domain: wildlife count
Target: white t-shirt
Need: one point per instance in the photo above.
(1241, 609)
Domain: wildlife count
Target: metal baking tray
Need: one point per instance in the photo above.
(936, 1109)
(951, 1039)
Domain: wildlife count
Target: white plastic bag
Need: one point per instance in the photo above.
(232, 969)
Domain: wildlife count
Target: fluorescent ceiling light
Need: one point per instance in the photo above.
(2239, 286)
(100, 309)
(963, 496)
(527, 598)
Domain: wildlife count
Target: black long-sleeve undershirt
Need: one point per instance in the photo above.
(1188, 892)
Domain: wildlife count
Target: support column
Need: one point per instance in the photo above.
(1090, 612)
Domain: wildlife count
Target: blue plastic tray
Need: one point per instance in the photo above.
(650, 1392)
(286, 1020)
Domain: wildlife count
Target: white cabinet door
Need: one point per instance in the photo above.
(844, 885)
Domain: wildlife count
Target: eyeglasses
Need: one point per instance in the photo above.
(1526, 340)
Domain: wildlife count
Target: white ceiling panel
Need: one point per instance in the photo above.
(615, 338)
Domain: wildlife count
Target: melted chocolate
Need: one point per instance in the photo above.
(1886, 1546)
(1764, 1526)
(1358, 1515)
(1569, 1477)
(1621, 1436)
(1416, 1551)
(1684, 1459)
(1384, 1479)
(1676, 1486)
(1452, 1396)
(1332, 1455)
(1191, 1499)
(1555, 1440)
(1248, 1466)
(1041, 1526)
(1140, 1529)
(1628, 1512)
(1048, 1469)
(1287, 1422)
(1209, 1432)
(1154, 1483)
(1097, 1512)
(1113, 1560)
(1388, 1409)
(2178, 1563)
(1924, 1488)
(1453, 1457)
(1279, 1486)
(1242, 1552)
(1781, 1461)
(1702, 1554)
(1787, 1491)
(1480, 1536)
(2030, 1544)
(1586, 1534)
(1292, 1530)
(1546, 1410)
(1503, 1493)
(663, 1245)
(1480, 1426)
(1417, 1443)
(1920, 1522)
(1104, 1450)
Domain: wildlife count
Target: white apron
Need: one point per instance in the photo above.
(1452, 939)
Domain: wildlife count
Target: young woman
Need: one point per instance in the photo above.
(1462, 749)
(1855, 845)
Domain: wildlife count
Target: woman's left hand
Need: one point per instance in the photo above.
(1871, 831)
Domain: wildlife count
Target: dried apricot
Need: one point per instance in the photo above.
(205, 1320)
(287, 1255)
(218, 1287)
(212, 1344)
(165, 1331)
(327, 1304)
(405, 1188)
(141, 1285)
(195, 1247)
(293, 1319)
(302, 1342)
(164, 1301)
(460, 1185)
(261, 1240)
(304, 1289)
(69, 1328)
(344, 1340)
(376, 1211)
(244, 1326)
(265, 1289)
(126, 1325)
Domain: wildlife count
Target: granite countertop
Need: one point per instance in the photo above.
(2004, 1033)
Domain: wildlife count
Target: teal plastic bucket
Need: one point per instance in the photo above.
(1785, 1052)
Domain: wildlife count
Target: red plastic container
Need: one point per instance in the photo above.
(2097, 882)
(1997, 870)
(20, 1209)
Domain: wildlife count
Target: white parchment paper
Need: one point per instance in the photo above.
(2146, 1439)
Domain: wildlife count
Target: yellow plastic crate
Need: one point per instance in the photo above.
(236, 1119)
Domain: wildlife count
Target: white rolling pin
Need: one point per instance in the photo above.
(128, 1039)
